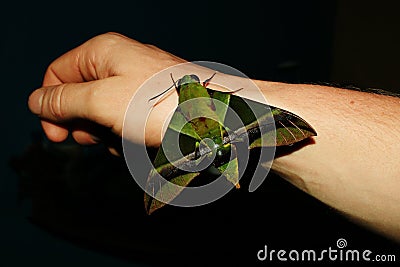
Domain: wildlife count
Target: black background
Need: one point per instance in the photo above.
(290, 41)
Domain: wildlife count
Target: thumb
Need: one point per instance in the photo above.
(59, 103)
(68, 101)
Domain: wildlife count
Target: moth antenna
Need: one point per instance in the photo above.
(233, 92)
(207, 82)
(166, 90)
(173, 81)
(237, 90)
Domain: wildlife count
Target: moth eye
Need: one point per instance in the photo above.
(195, 78)
(179, 82)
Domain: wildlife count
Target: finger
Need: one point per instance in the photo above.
(69, 68)
(84, 138)
(70, 72)
(54, 132)
(89, 61)
(69, 101)
(87, 133)
(114, 151)
(58, 103)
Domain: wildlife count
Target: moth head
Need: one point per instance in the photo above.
(188, 79)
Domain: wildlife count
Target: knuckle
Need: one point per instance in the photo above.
(153, 47)
(104, 44)
(56, 102)
(108, 39)
(113, 35)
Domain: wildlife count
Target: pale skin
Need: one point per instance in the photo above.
(353, 164)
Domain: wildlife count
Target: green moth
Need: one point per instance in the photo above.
(199, 134)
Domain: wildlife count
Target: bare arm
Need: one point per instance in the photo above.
(353, 165)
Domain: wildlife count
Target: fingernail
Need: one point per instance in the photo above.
(35, 101)
(95, 138)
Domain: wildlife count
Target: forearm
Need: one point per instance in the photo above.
(353, 164)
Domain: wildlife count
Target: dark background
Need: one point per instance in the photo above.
(341, 42)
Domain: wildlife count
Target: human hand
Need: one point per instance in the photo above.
(89, 88)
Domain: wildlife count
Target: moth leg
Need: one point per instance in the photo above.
(197, 149)
(231, 169)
